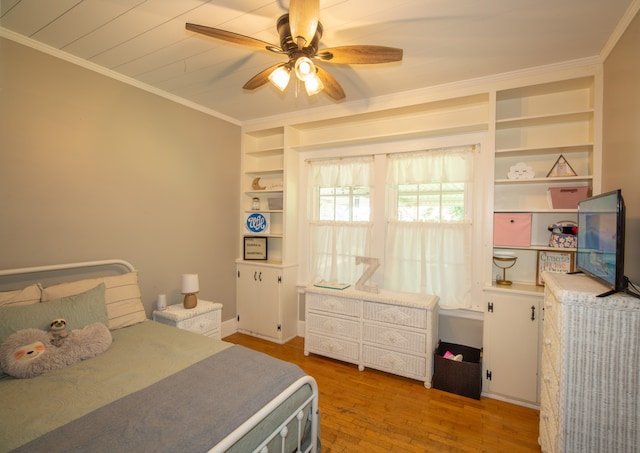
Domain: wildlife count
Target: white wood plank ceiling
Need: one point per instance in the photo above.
(444, 41)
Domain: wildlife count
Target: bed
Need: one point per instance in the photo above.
(156, 388)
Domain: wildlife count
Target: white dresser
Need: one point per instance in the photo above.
(389, 331)
(590, 374)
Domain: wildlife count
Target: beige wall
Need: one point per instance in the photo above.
(621, 136)
(92, 168)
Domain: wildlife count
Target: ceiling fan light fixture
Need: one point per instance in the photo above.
(313, 85)
(280, 77)
(305, 69)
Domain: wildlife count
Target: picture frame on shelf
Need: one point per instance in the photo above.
(561, 168)
(552, 261)
(255, 248)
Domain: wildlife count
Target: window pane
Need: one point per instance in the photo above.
(431, 202)
(344, 204)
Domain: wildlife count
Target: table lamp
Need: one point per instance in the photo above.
(190, 286)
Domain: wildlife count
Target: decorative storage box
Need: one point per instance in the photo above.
(275, 204)
(511, 229)
(567, 197)
(462, 378)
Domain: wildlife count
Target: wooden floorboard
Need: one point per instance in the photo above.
(372, 411)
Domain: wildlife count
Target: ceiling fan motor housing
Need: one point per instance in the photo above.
(290, 47)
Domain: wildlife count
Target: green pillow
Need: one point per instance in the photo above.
(79, 311)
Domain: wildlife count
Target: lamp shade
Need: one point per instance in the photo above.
(190, 283)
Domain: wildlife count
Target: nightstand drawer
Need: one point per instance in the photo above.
(199, 324)
(204, 319)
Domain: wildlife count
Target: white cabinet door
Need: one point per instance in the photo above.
(511, 345)
(258, 296)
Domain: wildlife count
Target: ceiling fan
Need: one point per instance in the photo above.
(300, 32)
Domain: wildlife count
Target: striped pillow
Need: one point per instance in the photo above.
(122, 297)
(26, 296)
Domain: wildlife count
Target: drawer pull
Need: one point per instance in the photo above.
(330, 325)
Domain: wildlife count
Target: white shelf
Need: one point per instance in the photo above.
(518, 288)
(535, 125)
(561, 149)
(537, 120)
(555, 180)
(534, 248)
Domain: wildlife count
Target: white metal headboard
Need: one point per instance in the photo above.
(56, 267)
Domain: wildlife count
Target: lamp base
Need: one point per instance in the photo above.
(190, 300)
(504, 282)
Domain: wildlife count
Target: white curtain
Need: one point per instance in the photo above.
(430, 257)
(335, 244)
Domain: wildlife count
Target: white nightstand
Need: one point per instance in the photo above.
(205, 318)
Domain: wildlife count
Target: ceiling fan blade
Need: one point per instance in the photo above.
(232, 37)
(331, 85)
(261, 78)
(360, 54)
(303, 20)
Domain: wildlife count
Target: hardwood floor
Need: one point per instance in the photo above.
(371, 411)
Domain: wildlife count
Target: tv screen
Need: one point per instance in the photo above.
(600, 250)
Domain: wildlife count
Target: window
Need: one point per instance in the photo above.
(420, 226)
(429, 229)
(339, 218)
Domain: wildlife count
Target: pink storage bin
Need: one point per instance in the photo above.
(511, 229)
(568, 197)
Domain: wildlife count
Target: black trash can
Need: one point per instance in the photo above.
(462, 378)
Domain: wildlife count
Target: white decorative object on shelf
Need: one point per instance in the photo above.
(373, 264)
(521, 171)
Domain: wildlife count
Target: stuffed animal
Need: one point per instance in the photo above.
(29, 353)
(58, 331)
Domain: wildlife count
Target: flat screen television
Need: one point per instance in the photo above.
(600, 250)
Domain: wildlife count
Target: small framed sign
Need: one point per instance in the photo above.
(561, 262)
(255, 248)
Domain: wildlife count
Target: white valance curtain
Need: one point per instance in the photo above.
(334, 244)
(431, 257)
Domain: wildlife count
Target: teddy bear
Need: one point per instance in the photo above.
(58, 332)
(28, 353)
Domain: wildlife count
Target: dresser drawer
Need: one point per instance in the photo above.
(395, 338)
(550, 385)
(552, 347)
(394, 362)
(333, 304)
(552, 312)
(395, 314)
(548, 425)
(336, 348)
(333, 325)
